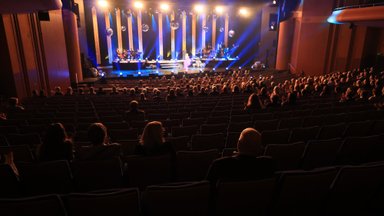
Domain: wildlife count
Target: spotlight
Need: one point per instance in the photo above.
(219, 9)
(121, 74)
(243, 12)
(214, 69)
(272, 27)
(139, 72)
(226, 68)
(164, 7)
(274, 2)
(138, 5)
(239, 68)
(103, 3)
(199, 8)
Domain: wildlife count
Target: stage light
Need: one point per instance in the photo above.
(243, 12)
(272, 27)
(138, 5)
(219, 9)
(226, 68)
(121, 74)
(274, 2)
(164, 7)
(239, 68)
(103, 3)
(199, 8)
(214, 69)
(139, 73)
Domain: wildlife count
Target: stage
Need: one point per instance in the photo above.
(199, 64)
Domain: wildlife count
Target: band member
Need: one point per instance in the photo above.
(187, 62)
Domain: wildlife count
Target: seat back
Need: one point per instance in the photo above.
(46, 177)
(188, 199)
(244, 198)
(40, 205)
(143, 171)
(119, 203)
(320, 153)
(304, 134)
(286, 156)
(356, 150)
(331, 131)
(97, 175)
(275, 137)
(353, 189)
(194, 165)
(303, 192)
(208, 141)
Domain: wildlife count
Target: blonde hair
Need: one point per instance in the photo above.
(152, 134)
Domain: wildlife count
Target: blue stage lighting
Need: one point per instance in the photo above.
(226, 68)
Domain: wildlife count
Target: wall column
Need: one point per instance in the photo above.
(285, 44)
(96, 35)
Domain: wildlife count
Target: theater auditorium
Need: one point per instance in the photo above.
(191, 107)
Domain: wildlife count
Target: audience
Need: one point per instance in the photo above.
(152, 141)
(55, 145)
(100, 148)
(247, 164)
(134, 113)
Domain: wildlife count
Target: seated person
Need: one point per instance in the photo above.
(247, 164)
(134, 113)
(152, 141)
(100, 148)
(55, 145)
(13, 107)
(254, 103)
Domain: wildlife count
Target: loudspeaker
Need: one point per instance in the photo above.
(43, 15)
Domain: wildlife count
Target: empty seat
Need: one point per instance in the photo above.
(9, 186)
(320, 153)
(356, 150)
(208, 141)
(119, 203)
(24, 139)
(217, 119)
(331, 131)
(46, 177)
(194, 165)
(313, 121)
(334, 119)
(358, 128)
(240, 118)
(179, 143)
(232, 139)
(262, 125)
(184, 131)
(377, 127)
(188, 199)
(239, 127)
(123, 134)
(97, 175)
(290, 123)
(244, 198)
(354, 188)
(303, 192)
(275, 137)
(47, 205)
(193, 121)
(286, 156)
(213, 128)
(304, 134)
(141, 171)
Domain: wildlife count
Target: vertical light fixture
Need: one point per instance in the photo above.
(130, 31)
(96, 35)
(118, 29)
(226, 29)
(139, 6)
(184, 36)
(193, 35)
(164, 7)
(109, 39)
(173, 47)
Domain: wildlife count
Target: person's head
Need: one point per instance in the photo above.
(97, 134)
(133, 105)
(55, 133)
(69, 91)
(250, 143)
(254, 101)
(152, 134)
(58, 89)
(13, 101)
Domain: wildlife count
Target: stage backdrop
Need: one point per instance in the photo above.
(248, 38)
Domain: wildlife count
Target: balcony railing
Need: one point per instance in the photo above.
(346, 4)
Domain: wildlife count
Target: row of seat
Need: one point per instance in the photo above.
(347, 190)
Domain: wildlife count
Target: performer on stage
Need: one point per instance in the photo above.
(187, 62)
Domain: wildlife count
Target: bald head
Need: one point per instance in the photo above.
(250, 142)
